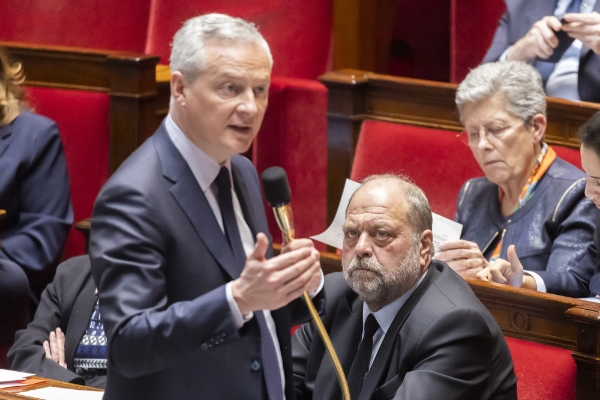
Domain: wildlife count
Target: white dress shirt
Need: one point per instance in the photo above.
(205, 170)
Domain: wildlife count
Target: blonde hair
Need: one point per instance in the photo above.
(11, 94)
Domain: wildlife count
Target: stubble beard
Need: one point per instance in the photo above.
(378, 287)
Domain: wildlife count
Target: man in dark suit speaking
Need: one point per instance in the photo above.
(192, 302)
(404, 326)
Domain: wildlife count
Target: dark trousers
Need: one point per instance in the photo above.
(14, 304)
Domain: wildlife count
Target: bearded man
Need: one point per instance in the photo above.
(404, 326)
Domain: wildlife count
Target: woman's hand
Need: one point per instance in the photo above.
(462, 256)
(510, 272)
(502, 271)
(55, 347)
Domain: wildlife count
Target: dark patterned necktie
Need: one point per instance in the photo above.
(270, 363)
(360, 365)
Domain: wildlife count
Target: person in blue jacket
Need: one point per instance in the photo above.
(34, 199)
(589, 133)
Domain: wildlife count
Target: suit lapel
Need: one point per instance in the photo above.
(345, 333)
(382, 359)
(5, 137)
(192, 201)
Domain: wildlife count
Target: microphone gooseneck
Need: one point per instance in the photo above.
(278, 194)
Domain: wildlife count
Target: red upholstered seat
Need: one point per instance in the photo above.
(472, 27)
(83, 120)
(114, 25)
(543, 372)
(569, 155)
(294, 136)
(434, 159)
(298, 32)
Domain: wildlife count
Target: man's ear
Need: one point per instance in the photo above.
(177, 88)
(539, 127)
(425, 248)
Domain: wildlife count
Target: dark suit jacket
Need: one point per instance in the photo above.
(161, 263)
(445, 345)
(67, 303)
(34, 191)
(518, 20)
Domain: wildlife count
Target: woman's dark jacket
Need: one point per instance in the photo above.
(551, 232)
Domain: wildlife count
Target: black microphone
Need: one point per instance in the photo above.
(278, 193)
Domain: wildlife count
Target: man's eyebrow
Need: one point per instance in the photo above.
(378, 225)
(348, 225)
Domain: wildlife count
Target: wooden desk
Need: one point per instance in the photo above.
(10, 393)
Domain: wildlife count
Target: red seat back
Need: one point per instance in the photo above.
(569, 155)
(543, 372)
(434, 159)
(472, 27)
(83, 120)
(298, 32)
(114, 25)
(294, 136)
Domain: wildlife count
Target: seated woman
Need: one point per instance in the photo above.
(589, 134)
(34, 192)
(529, 197)
(68, 305)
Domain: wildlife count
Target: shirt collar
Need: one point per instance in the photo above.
(386, 315)
(204, 168)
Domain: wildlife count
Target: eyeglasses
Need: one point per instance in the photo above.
(493, 134)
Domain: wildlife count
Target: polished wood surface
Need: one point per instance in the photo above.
(11, 393)
(128, 78)
(544, 318)
(356, 95)
(362, 33)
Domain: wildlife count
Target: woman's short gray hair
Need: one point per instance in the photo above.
(517, 82)
(187, 49)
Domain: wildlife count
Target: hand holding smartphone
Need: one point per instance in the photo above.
(564, 42)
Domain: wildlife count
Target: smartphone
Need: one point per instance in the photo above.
(564, 42)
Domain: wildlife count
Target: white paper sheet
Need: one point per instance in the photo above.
(444, 229)
(54, 393)
(12, 376)
(334, 236)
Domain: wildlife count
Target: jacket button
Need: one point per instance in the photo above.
(204, 347)
(255, 366)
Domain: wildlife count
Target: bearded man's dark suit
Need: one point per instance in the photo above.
(443, 344)
(517, 21)
(161, 263)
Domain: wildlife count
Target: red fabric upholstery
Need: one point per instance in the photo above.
(569, 155)
(434, 159)
(114, 25)
(298, 32)
(83, 120)
(294, 136)
(472, 27)
(543, 372)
